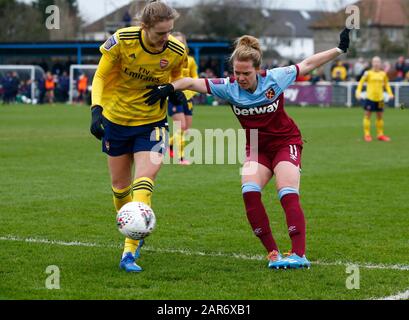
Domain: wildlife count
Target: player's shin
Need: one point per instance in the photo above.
(380, 124)
(290, 201)
(142, 190)
(257, 216)
(122, 197)
(367, 126)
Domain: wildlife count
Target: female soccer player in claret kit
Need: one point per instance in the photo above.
(134, 134)
(257, 99)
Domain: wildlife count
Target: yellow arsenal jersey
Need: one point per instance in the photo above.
(376, 81)
(126, 68)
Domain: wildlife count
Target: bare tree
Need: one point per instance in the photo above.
(20, 22)
(224, 19)
(70, 22)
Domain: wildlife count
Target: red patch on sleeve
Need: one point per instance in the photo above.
(208, 86)
(217, 81)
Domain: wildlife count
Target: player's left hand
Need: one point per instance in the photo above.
(344, 40)
(158, 93)
(178, 98)
(97, 126)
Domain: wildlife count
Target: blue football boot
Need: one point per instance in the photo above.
(128, 262)
(293, 261)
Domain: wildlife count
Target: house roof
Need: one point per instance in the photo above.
(99, 25)
(285, 20)
(380, 13)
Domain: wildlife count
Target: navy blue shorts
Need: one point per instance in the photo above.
(374, 106)
(119, 140)
(186, 109)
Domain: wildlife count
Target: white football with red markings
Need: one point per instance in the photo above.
(136, 220)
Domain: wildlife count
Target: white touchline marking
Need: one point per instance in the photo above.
(187, 252)
(398, 296)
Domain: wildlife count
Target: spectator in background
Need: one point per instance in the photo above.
(64, 86)
(6, 84)
(24, 94)
(15, 84)
(49, 87)
(339, 72)
(317, 75)
(41, 89)
(401, 69)
(25, 88)
(82, 87)
(359, 68)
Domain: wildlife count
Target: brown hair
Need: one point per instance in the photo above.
(156, 11)
(247, 48)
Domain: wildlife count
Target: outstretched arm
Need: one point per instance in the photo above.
(198, 85)
(321, 58)
(164, 91)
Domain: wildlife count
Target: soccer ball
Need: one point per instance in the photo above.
(136, 220)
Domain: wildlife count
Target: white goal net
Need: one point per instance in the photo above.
(76, 72)
(20, 82)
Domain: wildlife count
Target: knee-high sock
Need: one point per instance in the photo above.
(142, 190)
(122, 197)
(367, 126)
(380, 124)
(257, 216)
(290, 201)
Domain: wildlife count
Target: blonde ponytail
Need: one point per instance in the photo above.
(247, 48)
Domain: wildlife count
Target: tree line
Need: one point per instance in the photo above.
(26, 22)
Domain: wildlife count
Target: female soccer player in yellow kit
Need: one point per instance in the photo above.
(182, 115)
(377, 81)
(132, 133)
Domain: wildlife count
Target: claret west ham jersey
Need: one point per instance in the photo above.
(264, 108)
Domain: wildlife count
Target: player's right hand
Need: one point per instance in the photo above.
(344, 40)
(157, 93)
(97, 127)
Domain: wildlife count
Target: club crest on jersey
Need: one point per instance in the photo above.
(270, 94)
(164, 63)
(110, 43)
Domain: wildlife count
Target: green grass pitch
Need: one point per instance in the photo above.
(55, 190)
